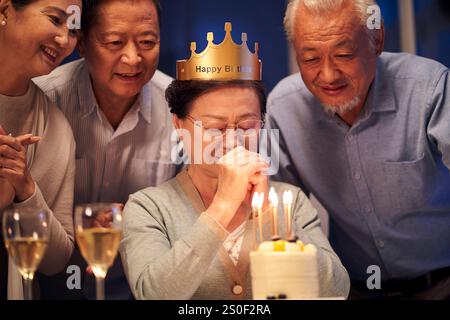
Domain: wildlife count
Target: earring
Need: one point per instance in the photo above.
(3, 23)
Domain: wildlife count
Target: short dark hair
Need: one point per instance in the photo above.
(89, 13)
(20, 4)
(181, 94)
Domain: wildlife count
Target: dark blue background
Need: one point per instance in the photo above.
(184, 21)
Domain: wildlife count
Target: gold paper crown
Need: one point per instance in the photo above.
(225, 61)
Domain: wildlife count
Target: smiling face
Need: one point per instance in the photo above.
(122, 47)
(223, 107)
(37, 36)
(336, 57)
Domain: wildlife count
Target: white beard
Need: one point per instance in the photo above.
(342, 108)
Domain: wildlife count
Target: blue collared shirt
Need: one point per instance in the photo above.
(385, 181)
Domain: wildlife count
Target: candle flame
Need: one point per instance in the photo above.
(258, 200)
(287, 197)
(255, 200)
(273, 197)
(261, 200)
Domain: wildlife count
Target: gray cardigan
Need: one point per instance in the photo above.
(170, 250)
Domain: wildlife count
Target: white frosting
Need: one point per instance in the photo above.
(292, 272)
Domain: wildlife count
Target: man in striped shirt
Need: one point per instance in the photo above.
(114, 99)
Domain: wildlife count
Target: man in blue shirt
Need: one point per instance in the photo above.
(368, 133)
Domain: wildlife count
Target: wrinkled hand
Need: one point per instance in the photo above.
(13, 163)
(239, 173)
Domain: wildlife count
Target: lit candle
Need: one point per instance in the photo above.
(287, 202)
(273, 199)
(260, 216)
(255, 201)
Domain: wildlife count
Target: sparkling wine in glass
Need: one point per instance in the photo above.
(26, 235)
(98, 232)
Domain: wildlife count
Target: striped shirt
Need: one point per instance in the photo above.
(112, 164)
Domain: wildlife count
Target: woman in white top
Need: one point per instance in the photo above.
(36, 142)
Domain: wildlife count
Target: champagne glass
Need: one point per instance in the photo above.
(98, 228)
(26, 234)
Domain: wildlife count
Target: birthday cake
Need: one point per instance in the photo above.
(284, 270)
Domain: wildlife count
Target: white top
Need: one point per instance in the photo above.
(112, 164)
(52, 164)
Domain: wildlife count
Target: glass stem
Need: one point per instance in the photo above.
(100, 288)
(28, 288)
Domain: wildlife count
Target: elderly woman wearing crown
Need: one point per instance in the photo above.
(190, 238)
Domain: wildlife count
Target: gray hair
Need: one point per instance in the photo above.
(325, 6)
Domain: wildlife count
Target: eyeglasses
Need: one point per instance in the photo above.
(217, 128)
